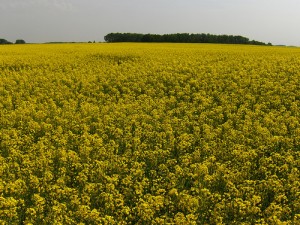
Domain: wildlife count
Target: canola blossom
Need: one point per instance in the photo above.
(149, 134)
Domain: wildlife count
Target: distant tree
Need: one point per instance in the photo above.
(4, 42)
(20, 41)
(147, 38)
(180, 38)
(123, 37)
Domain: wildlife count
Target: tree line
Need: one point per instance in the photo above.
(181, 38)
(6, 42)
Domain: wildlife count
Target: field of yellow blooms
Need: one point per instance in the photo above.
(149, 134)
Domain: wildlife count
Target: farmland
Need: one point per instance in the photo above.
(149, 134)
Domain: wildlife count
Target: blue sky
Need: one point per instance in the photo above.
(273, 21)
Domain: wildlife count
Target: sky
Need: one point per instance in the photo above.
(39, 21)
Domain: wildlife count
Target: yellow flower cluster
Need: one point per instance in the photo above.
(149, 134)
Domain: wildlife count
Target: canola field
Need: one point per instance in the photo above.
(149, 134)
